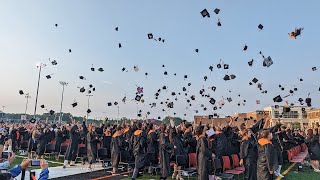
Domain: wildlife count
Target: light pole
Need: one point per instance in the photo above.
(118, 117)
(40, 66)
(89, 95)
(27, 96)
(63, 84)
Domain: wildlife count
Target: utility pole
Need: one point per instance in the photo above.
(27, 96)
(40, 66)
(63, 84)
(89, 95)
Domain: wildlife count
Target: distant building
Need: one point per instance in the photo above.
(215, 121)
(314, 117)
(296, 114)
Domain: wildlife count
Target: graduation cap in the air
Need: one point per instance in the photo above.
(82, 78)
(250, 63)
(48, 76)
(219, 23)
(193, 98)
(308, 101)
(74, 104)
(21, 92)
(32, 120)
(215, 108)
(189, 84)
(255, 80)
(109, 103)
(277, 99)
(136, 68)
(173, 93)
(184, 89)
(212, 101)
(101, 69)
(196, 50)
(314, 68)
(229, 77)
(120, 46)
(56, 25)
(267, 62)
(150, 36)
(216, 10)
(82, 89)
(229, 99)
(260, 26)
(54, 62)
(219, 66)
(170, 105)
(205, 13)
(303, 109)
(89, 111)
(165, 73)
(70, 50)
(123, 69)
(51, 112)
(213, 88)
(245, 47)
(164, 87)
(226, 66)
(291, 91)
(90, 85)
(185, 76)
(205, 78)
(117, 28)
(286, 109)
(115, 103)
(42, 106)
(211, 68)
(137, 98)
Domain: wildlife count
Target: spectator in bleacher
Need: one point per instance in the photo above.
(312, 142)
(267, 160)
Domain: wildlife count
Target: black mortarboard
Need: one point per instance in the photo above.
(165, 73)
(123, 69)
(286, 109)
(232, 76)
(150, 36)
(90, 85)
(175, 74)
(211, 68)
(303, 109)
(282, 89)
(250, 63)
(250, 83)
(245, 47)
(205, 78)
(216, 10)
(163, 65)
(226, 66)
(138, 98)
(314, 68)
(164, 87)
(56, 25)
(101, 69)
(276, 106)
(226, 77)
(219, 23)
(173, 93)
(93, 89)
(159, 117)
(21, 92)
(81, 77)
(291, 91)
(218, 66)
(300, 100)
(115, 103)
(277, 99)
(120, 46)
(193, 97)
(212, 101)
(89, 92)
(74, 104)
(260, 26)
(170, 105)
(51, 112)
(54, 62)
(205, 108)
(229, 99)
(70, 50)
(139, 115)
(295, 89)
(197, 50)
(308, 101)
(205, 13)
(42, 106)
(184, 89)
(32, 120)
(82, 89)
(89, 111)
(300, 79)
(48, 76)
(159, 39)
(213, 88)
(215, 108)
(117, 28)
(185, 76)
(255, 80)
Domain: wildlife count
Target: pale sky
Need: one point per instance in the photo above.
(28, 36)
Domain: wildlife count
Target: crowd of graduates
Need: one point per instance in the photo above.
(261, 148)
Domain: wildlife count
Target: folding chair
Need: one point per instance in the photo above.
(82, 152)
(49, 149)
(227, 167)
(103, 157)
(236, 163)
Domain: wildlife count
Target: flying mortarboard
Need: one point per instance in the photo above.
(150, 36)
(42, 106)
(212, 101)
(226, 66)
(117, 28)
(219, 23)
(314, 68)
(54, 62)
(205, 78)
(255, 80)
(21, 92)
(138, 98)
(101, 69)
(267, 62)
(205, 13)
(89, 111)
(260, 26)
(219, 66)
(74, 104)
(48, 76)
(245, 47)
(82, 89)
(277, 99)
(51, 112)
(115, 103)
(250, 63)
(56, 25)
(197, 50)
(211, 68)
(216, 10)
(120, 46)
(81, 77)
(165, 73)
(189, 84)
(70, 50)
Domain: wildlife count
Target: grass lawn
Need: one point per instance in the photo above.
(19, 159)
(306, 174)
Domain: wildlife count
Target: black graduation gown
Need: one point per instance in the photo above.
(43, 140)
(116, 148)
(190, 142)
(219, 145)
(266, 160)
(203, 156)
(249, 154)
(72, 149)
(59, 140)
(153, 147)
(139, 140)
(314, 147)
(92, 147)
(179, 147)
(106, 143)
(165, 150)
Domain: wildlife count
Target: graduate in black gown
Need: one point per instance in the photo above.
(139, 142)
(116, 148)
(189, 140)
(165, 150)
(72, 149)
(249, 154)
(59, 139)
(153, 145)
(175, 138)
(92, 140)
(267, 160)
(43, 140)
(203, 153)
